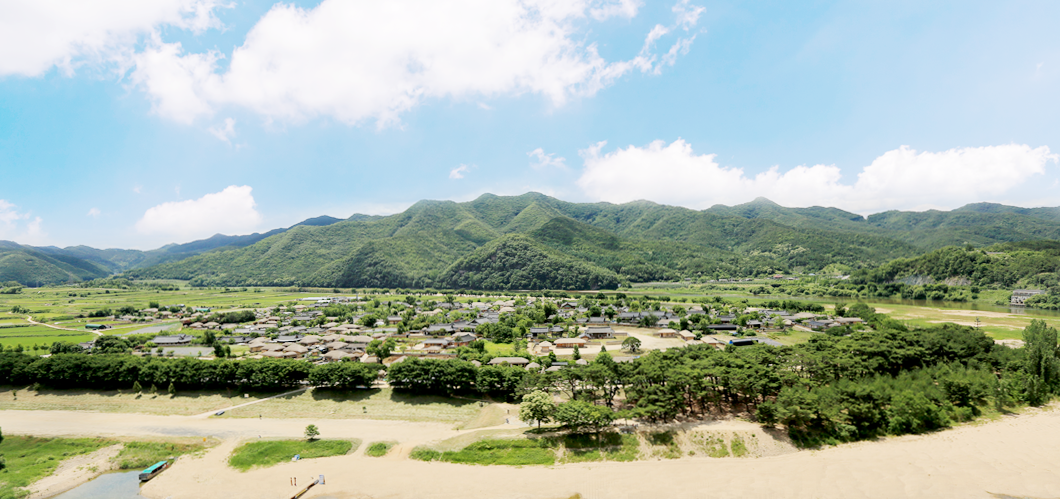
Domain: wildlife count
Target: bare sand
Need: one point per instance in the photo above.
(75, 471)
(1016, 456)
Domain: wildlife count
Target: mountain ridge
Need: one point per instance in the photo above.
(448, 243)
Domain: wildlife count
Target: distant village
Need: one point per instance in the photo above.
(573, 328)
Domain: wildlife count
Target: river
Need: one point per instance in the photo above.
(121, 485)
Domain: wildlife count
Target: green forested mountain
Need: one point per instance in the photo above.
(1030, 263)
(449, 244)
(519, 241)
(33, 267)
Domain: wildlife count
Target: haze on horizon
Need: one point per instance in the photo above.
(136, 123)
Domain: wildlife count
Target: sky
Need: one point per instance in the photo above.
(138, 123)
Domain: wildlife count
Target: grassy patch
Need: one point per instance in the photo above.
(739, 448)
(270, 452)
(516, 452)
(663, 445)
(489, 415)
(608, 446)
(183, 404)
(709, 444)
(363, 404)
(379, 449)
(31, 458)
(135, 455)
(499, 349)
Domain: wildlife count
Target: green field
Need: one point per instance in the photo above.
(29, 459)
(270, 452)
(28, 336)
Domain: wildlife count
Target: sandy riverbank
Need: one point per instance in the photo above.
(1015, 456)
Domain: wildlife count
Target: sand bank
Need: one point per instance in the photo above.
(1016, 456)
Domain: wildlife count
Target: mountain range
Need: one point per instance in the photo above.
(535, 241)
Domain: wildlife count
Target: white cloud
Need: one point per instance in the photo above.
(231, 211)
(19, 226)
(899, 179)
(544, 160)
(363, 61)
(687, 14)
(460, 171)
(94, 213)
(36, 35)
(225, 133)
(138, 188)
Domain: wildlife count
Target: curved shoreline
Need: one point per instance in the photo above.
(1015, 456)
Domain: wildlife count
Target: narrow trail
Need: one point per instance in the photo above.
(210, 413)
(29, 318)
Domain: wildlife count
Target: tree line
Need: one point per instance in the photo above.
(118, 371)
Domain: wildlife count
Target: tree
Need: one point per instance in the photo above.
(218, 351)
(136, 387)
(1040, 362)
(311, 432)
(577, 415)
(632, 344)
(537, 406)
(172, 389)
(111, 344)
(65, 347)
(577, 355)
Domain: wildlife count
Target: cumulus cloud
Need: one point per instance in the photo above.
(544, 160)
(19, 226)
(94, 213)
(231, 211)
(358, 61)
(899, 179)
(226, 132)
(37, 35)
(459, 172)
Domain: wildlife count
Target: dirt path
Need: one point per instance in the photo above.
(29, 318)
(75, 471)
(211, 413)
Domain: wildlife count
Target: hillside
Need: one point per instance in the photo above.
(440, 243)
(637, 242)
(1031, 263)
(33, 267)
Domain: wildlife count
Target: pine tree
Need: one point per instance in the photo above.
(172, 389)
(136, 387)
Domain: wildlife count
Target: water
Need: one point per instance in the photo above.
(123, 485)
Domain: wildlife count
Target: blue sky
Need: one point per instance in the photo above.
(113, 135)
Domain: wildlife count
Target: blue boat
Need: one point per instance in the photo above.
(153, 471)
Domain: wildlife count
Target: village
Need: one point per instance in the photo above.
(446, 329)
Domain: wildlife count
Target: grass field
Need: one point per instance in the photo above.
(367, 404)
(41, 336)
(137, 455)
(515, 449)
(184, 403)
(516, 452)
(270, 452)
(29, 459)
(374, 404)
